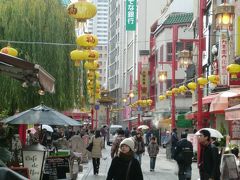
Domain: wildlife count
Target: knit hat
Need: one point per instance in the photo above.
(129, 142)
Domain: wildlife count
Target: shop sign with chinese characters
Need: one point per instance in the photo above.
(131, 7)
(223, 60)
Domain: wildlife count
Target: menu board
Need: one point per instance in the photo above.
(234, 129)
(56, 168)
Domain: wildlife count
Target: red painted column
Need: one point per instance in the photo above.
(92, 117)
(139, 88)
(199, 90)
(96, 119)
(174, 42)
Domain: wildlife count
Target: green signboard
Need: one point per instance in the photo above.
(131, 10)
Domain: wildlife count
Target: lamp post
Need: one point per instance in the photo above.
(106, 100)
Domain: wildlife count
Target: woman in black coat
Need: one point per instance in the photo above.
(125, 166)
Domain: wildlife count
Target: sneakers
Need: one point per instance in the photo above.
(151, 170)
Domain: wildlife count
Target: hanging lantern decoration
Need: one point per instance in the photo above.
(202, 81)
(192, 86)
(149, 102)
(90, 55)
(82, 10)
(97, 75)
(162, 97)
(185, 58)
(162, 76)
(182, 89)
(233, 69)
(77, 56)
(87, 41)
(175, 91)
(214, 80)
(168, 93)
(224, 16)
(92, 66)
(9, 51)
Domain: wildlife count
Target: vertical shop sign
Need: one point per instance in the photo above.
(223, 59)
(131, 7)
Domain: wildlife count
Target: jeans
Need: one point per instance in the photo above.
(138, 157)
(96, 164)
(152, 163)
(185, 172)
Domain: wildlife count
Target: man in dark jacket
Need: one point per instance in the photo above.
(174, 140)
(208, 160)
(183, 155)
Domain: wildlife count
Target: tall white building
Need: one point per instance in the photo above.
(124, 46)
(98, 25)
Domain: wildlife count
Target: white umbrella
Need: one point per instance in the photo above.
(47, 127)
(143, 127)
(213, 132)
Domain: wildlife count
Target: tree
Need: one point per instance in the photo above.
(46, 23)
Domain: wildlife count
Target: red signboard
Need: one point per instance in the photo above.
(234, 129)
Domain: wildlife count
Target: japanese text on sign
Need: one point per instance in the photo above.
(131, 15)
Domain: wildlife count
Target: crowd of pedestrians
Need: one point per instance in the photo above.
(129, 146)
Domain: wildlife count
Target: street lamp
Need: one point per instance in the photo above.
(184, 58)
(131, 94)
(224, 16)
(162, 76)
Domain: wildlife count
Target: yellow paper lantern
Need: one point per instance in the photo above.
(90, 55)
(92, 66)
(97, 75)
(149, 102)
(162, 97)
(233, 69)
(82, 10)
(168, 93)
(182, 89)
(87, 41)
(214, 79)
(9, 51)
(175, 91)
(202, 81)
(77, 56)
(192, 86)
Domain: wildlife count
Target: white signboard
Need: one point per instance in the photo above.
(33, 161)
(223, 59)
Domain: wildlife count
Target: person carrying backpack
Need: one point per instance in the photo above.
(183, 154)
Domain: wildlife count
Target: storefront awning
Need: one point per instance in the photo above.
(233, 113)
(220, 102)
(207, 99)
(27, 72)
(193, 115)
(182, 122)
(130, 119)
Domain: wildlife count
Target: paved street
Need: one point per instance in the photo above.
(164, 169)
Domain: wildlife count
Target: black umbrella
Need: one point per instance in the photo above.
(41, 115)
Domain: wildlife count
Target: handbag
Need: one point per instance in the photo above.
(90, 146)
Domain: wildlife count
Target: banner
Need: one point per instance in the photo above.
(131, 9)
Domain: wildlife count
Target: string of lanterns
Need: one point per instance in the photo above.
(141, 103)
(214, 80)
(81, 11)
